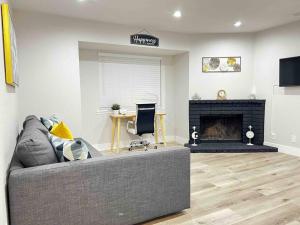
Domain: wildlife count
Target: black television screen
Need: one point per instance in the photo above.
(289, 74)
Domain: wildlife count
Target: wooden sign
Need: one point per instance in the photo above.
(144, 39)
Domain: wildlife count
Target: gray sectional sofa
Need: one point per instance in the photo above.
(104, 190)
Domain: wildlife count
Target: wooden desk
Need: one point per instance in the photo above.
(116, 123)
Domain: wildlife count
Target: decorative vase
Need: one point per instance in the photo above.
(115, 112)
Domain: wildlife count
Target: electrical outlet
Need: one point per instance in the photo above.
(293, 138)
(273, 136)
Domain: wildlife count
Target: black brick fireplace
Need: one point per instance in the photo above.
(222, 125)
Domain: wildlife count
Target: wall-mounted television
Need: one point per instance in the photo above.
(289, 72)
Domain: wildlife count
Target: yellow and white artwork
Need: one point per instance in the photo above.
(221, 64)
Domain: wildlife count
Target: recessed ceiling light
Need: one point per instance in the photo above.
(177, 14)
(238, 24)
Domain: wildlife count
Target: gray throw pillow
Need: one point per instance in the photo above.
(32, 122)
(69, 150)
(34, 149)
(94, 152)
(49, 122)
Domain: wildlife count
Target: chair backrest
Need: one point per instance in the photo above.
(145, 118)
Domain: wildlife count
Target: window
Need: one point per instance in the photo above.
(127, 80)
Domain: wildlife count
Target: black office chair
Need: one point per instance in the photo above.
(144, 124)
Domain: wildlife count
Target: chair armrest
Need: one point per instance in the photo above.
(123, 189)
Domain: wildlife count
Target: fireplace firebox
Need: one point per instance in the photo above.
(227, 128)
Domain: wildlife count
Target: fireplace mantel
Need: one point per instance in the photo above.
(229, 101)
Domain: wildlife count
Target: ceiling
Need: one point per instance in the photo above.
(198, 16)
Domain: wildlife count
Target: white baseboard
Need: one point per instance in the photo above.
(125, 144)
(290, 150)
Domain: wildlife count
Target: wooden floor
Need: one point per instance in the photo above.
(242, 189)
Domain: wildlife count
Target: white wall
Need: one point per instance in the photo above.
(168, 67)
(50, 74)
(181, 93)
(49, 68)
(49, 61)
(283, 104)
(237, 85)
(93, 125)
(8, 129)
(96, 127)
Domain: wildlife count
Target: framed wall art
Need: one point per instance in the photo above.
(221, 64)
(9, 46)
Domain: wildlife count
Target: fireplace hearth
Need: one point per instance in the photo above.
(222, 125)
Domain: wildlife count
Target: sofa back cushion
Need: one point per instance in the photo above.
(34, 148)
(32, 122)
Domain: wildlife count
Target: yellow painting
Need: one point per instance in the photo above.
(10, 47)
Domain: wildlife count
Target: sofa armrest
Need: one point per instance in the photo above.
(122, 189)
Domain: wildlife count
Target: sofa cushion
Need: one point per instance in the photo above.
(32, 122)
(69, 150)
(34, 148)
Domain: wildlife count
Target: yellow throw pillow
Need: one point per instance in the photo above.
(62, 130)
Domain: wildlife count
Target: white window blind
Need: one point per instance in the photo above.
(127, 80)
